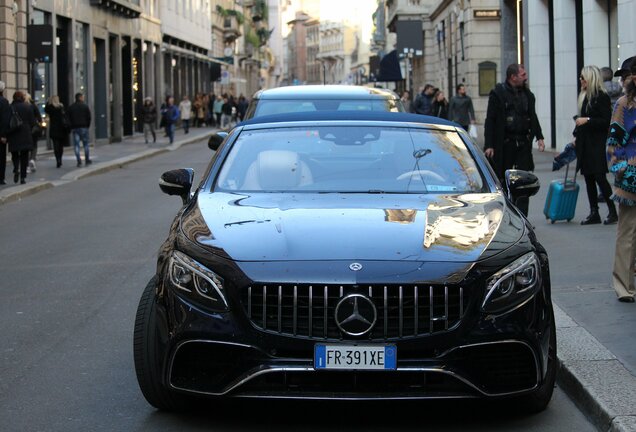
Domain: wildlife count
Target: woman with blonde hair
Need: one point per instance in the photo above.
(59, 126)
(592, 124)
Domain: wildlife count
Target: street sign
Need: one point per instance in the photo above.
(40, 43)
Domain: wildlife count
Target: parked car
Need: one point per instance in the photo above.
(347, 255)
(306, 98)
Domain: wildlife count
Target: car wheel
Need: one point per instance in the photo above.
(147, 362)
(539, 399)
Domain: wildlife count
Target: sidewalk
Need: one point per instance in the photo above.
(600, 380)
(601, 385)
(105, 157)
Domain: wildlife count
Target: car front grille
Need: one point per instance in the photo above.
(308, 311)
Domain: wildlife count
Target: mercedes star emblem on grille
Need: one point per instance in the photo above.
(355, 266)
(355, 314)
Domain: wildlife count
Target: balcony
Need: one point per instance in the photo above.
(231, 30)
(401, 9)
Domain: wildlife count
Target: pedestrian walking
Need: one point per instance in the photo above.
(185, 108)
(210, 120)
(406, 101)
(149, 119)
(21, 140)
(199, 111)
(170, 114)
(614, 90)
(241, 107)
(439, 107)
(79, 116)
(36, 132)
(424, 100)
(621, 153)
(591, 125)
(59, 127)
(5, 115)
(460, 108)
(218, 110)
(226, 118)
(511, 126)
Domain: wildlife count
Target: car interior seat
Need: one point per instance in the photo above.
(277, 170)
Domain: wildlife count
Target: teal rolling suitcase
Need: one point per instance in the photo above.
(560, 204)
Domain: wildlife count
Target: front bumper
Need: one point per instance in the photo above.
(225, 355)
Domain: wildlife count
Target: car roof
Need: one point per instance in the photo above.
(397, 117)
(325, 92)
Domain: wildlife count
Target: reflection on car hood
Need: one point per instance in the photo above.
(287, 227)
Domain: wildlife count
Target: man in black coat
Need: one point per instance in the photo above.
(79, 115)
(424, 101)
(5, 115)
(511, 126)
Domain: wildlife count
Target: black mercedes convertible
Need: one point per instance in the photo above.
(347, 255)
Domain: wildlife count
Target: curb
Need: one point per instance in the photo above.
(18, 192)
(597, 382)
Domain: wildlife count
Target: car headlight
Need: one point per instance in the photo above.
(513, 284)
(196, 282)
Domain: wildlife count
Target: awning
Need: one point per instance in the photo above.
(390, 68)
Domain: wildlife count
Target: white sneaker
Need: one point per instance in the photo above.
(32, 165)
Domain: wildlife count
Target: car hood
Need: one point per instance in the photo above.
(383, 227)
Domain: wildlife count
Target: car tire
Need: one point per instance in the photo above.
(538, 400)
(147, 360)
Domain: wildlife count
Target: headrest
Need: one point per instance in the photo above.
(278, 169)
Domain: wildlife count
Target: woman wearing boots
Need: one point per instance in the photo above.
(59, 127)
(590, 133)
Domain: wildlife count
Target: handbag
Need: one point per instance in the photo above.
(66, 124)
(36, 130)
(15, 122)
(472, 131)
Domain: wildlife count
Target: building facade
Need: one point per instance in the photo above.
(473, 42)
(186, 47)
(115, 52)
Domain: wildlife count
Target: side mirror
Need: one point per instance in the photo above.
(521, 184)
(177, 182)
(215, 140)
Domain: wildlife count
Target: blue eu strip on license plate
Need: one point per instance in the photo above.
(358, 357)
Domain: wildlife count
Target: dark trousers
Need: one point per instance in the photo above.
(58, 148)
(591, 180)
(518, 155)
(3, 159)
(20, 162)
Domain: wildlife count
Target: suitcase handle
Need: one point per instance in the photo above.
(567, 168)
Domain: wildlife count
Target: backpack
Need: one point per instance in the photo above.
(15, 122)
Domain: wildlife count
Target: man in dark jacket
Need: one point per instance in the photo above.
(424, 101)
(511, 125)
(79, 115)
(5, 115)
(460, 108)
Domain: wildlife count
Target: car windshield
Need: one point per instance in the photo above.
(276, 106)
(350, 159)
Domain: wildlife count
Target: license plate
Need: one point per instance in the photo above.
(361, 357)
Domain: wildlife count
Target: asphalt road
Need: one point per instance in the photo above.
(73, 263)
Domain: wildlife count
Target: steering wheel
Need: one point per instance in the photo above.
(422, 175)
